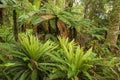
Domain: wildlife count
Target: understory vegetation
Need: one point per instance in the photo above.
(59, 40)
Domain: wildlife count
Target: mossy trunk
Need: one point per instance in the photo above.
(112, 35)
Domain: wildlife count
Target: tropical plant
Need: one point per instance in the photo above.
(70, 61)
(92, 23)
(26, 56)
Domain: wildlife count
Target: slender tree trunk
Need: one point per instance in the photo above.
(1, 16)
(113, 32)
(15, 29)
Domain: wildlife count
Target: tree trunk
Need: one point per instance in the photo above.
(112, 35)
(1, 16)
(15, 25)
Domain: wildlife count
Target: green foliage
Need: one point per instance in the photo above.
(107, 69)
(32, 59)
(70, 60)
(6, 34)
(100, 47)
(61, 14)
(26, 56)
(31, 46)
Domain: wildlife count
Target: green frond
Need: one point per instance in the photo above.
(73, 60)
(33, 48)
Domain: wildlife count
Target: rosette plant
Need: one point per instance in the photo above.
(70, 61)
(26, 55)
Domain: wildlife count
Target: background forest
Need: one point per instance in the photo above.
(59, 39)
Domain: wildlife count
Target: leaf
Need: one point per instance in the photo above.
(56, 59)
(34, 75)
(18, 75)
(66, 21)
(9, 64)
(24, 75)
(87, 75)
(18, 54)
(2, 58)
(87, 54)
(53, 24)
(56, 75)
(48, 17)
(37, 21)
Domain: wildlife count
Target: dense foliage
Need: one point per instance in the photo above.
(59, 40)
